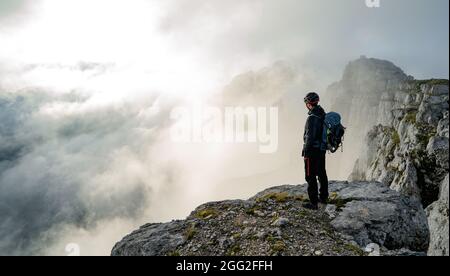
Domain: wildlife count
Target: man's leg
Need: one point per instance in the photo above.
(311, 178)
(323, 178)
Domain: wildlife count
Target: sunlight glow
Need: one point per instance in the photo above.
(122, 41)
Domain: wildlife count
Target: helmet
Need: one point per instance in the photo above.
(312, 98)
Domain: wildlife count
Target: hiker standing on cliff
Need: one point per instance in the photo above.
(314, 152)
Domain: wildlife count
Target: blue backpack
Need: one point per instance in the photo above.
(333, 132)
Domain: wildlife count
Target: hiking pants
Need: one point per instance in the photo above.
(315, 168)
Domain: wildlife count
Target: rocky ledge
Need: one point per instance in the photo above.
(360, 218)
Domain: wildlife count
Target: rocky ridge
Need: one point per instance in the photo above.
(273, 222)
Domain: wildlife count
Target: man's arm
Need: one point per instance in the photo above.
(310, 134)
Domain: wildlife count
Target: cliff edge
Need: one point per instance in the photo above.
(361, 217)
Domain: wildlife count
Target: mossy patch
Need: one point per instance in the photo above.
(410, 117)
(301, 198)
(252, 211)
(303, 214)
(432, 82)
(190, 232)
(234, 250)
(340, 203)
(278, 247)
(278, 197)
(355, 249)
(207, 214)
(424, 134)
(395, 137)
(175, 253)
(270, 238)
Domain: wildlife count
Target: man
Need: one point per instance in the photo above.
(314, 152)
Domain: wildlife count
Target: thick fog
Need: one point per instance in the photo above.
(87, 89)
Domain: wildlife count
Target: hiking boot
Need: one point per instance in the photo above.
(311, 206)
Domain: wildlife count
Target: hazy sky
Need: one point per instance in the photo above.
(230, 35)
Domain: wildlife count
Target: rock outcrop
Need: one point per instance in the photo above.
(274, 222)
(407, 145)
(410, 152)
(359, 98)
(438, 223)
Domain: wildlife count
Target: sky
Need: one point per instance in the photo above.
(228, 37)
(87, 86)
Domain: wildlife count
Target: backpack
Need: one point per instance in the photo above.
(333, 132)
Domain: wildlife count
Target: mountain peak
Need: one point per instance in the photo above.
(372, 71)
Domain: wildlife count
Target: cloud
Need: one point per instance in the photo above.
(325, 34)
(8, 7)
(65, 166)
(71, 168)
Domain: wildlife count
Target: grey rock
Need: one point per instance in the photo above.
(369, 212)
(403, 252)
(373, 249)
(259, 213)
(439, 147)
(331, 210)
(406, 182)
(438, 220)
(409, 152)
(385, 223)
(261, 235)
(374, 213)
(443, 126)
(439, 90)
(224, 243)
(152, 240)
(280, 222)
(246, 231)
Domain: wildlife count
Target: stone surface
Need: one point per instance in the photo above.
(409, 151)
(152, 240)
(363, 213)
(438, 217)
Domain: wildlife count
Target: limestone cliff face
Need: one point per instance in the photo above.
(361, 98)
(408, 147)
(409, 152)
(438, 223)
(362, 88)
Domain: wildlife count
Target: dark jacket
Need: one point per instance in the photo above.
(312, 137)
